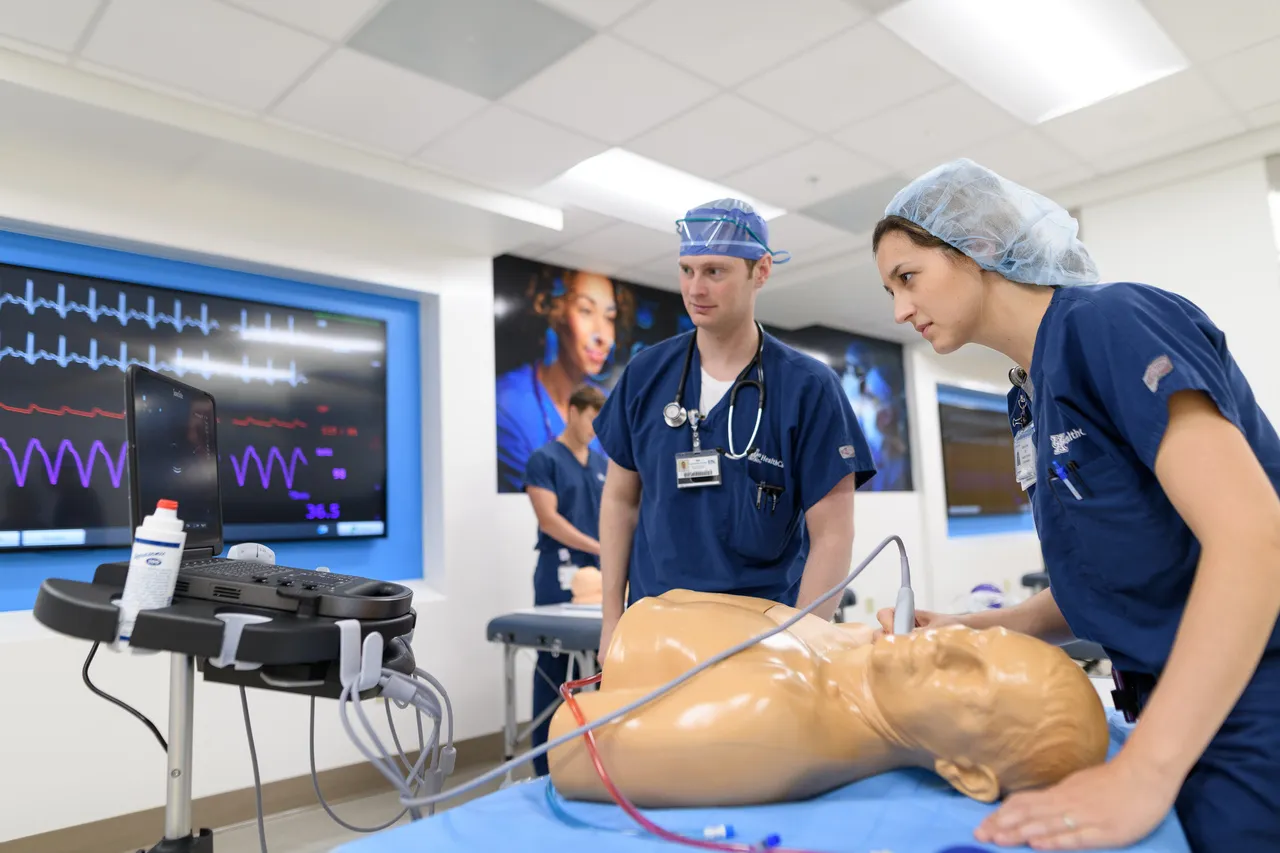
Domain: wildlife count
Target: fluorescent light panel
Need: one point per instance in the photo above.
(642, 191)
(1040, 59)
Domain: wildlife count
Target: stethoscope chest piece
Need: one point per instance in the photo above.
(674, 414)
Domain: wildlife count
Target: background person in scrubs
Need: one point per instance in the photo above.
(564, 480)
(1153, 477)
(775, 522)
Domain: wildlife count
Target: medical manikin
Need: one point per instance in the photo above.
(821, 705)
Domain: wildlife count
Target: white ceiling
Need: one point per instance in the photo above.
(809, 104)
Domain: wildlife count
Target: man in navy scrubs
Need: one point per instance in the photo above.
(564, 480)
(733, 458)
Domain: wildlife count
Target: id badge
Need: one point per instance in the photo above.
(1024, 456)
(697, 468)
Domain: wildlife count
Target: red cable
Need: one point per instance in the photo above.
(566, 691)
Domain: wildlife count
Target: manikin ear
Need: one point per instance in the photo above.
(978, 782)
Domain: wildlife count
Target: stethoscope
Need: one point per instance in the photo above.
(676, 415)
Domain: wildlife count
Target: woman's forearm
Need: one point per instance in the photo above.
(1038, 616)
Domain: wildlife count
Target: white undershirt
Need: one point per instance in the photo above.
(712, 390)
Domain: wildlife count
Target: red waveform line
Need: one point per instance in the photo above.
(60, 411)
(273, 422)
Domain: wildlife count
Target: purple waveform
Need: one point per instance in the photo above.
(115, 467)
(241, 465)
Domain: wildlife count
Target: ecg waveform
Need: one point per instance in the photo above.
(287, 468)
(121, 312)
(53, 465)
(181, 365)
(61, 411)
(273, 422)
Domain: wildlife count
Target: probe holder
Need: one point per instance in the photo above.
(232, 644)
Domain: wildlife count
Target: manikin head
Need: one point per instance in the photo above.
(954, 237)
(991, 711)
(587, 586)
(724, 261)
(584, 404)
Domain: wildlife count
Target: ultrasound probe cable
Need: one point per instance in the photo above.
(904, 621)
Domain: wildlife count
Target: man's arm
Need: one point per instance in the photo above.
(619, 513)
(547, 507)
(829, 523)
(1213, 478)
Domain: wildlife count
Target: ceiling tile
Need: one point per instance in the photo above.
(1141, 116)
(486, 47)
(597, 13)
(800, 235)
(807, 174)
(55, 24)
(609, 90)
(1264, 117)
(849, 78)
(1023, 157)
(355, 97)
(1248, 79)
(505, 148)
(189, 46)
(1172, 143)
(721, 136)
(938, 126)
(727, 41)
(858, 210)
(1207, 30)
(625, 244)
(330, 19)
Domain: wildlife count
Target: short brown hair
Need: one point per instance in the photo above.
(913, 232)
(587, 397)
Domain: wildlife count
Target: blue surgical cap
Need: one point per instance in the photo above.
(727, 227)
(1004, 227)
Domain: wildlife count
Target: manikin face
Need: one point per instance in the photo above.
(938, 292)
(587, 331)
(961, 694)
(718, 292)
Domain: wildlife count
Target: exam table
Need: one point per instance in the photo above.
(904, 811)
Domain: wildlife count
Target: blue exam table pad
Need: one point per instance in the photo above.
(903, 811)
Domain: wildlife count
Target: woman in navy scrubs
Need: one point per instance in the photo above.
(1154, 479)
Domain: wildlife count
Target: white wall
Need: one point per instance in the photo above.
(1211, 240)
(956, 565)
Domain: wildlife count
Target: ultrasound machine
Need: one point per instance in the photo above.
(243, 620)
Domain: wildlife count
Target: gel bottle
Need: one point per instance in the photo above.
(153, 566)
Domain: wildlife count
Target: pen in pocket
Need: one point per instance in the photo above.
(1062, 475)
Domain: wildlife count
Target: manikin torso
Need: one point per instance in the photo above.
(788, 718)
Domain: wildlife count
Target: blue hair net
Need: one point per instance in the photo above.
(1002, 226)
(727, 227)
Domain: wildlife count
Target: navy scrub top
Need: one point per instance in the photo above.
(1120, 558)
(715, 538)
(577, 488)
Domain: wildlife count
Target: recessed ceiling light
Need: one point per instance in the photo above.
(645, 192)
(1040, 59)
